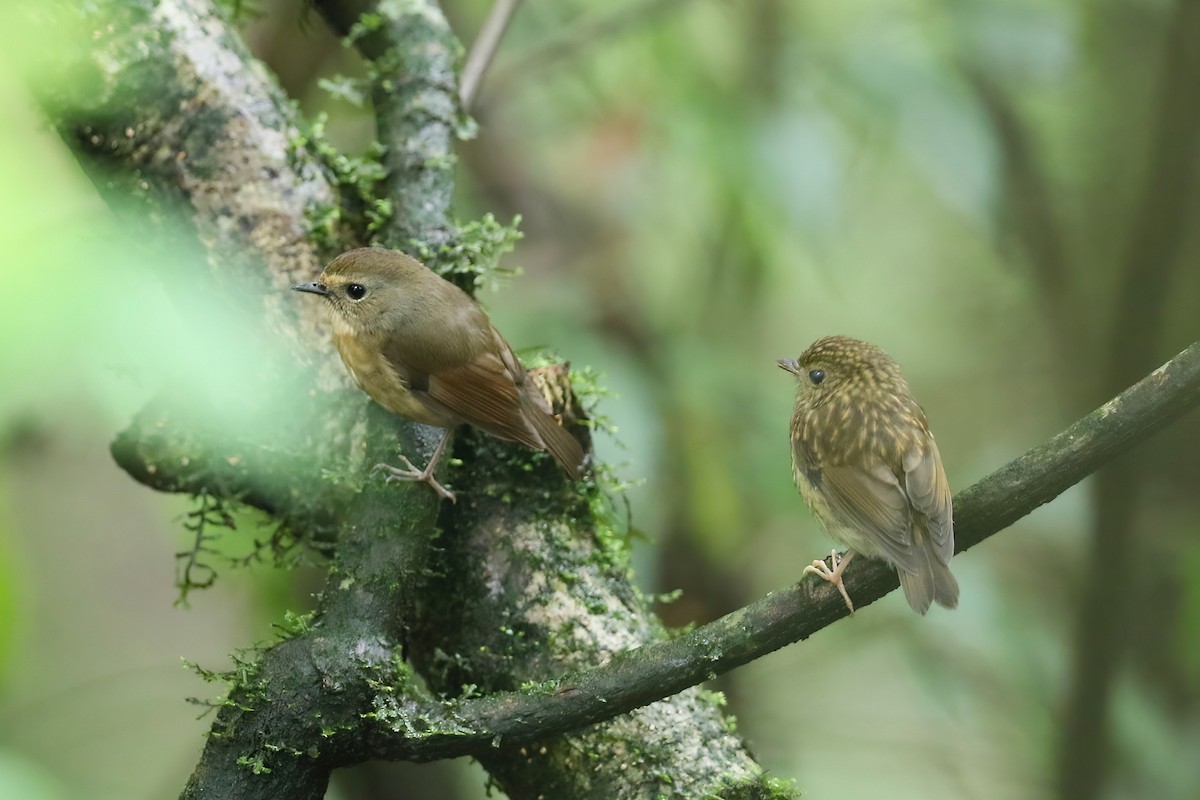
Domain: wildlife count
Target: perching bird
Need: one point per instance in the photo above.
(423, 349)
(866, 463)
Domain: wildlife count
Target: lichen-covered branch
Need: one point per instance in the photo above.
(278, 469)
(554, 595)
(314, 701)
(414, 84)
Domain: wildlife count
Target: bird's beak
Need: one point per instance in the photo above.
(789, 364)
(312, 287)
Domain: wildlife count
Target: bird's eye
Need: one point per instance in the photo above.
(816, 376)
(356, 291)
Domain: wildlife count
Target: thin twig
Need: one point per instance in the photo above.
(576, 40)
(483, 51)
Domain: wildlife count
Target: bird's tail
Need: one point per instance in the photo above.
(932, 582)
(557, 441)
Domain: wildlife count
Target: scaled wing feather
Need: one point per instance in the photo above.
(929, 492)
(872, 502)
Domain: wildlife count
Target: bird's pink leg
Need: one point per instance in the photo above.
(834, 575)
(408, 472)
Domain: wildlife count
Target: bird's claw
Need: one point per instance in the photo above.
(833, 575)
(408, 472)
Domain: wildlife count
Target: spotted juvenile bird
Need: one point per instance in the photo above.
(423, 349)
(866, 463)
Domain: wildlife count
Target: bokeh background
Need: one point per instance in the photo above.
(1001, 194)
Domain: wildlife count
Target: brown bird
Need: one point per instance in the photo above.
(423, 349)
(866, 463)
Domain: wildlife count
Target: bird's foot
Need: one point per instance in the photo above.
(834, 574)
(408, 472)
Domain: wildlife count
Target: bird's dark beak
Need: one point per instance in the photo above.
(312, 287)
(789, 364)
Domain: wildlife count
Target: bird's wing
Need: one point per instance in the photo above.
(485, 392)
(872, 503)
(929, 493)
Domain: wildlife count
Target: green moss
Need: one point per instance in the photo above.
(719, 700)
(394, 707)
(541, 687)
(367, 24)
(472, 258)
(379, 214)
(240, 11)
(345, 88)
(762, 787)
(256, 764)
(323, 220)
(246, 688)
(587, 384)
(294, 624)
(357, 178)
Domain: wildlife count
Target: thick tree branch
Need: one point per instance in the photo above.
(299, 711)
(173, 98)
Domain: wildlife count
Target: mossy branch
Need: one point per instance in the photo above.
(414, 84)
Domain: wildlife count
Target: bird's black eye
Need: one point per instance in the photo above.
(356, 291)
(816, 376)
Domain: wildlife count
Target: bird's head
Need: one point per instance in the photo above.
(838, 366)
(371, 289)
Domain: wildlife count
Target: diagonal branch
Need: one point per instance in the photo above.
(173, 98)
(662, 668)
(659, 669)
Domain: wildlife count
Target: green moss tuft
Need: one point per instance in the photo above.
(472, 258)
(358, 179)
(763, 787)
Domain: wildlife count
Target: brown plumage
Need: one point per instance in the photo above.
(423, 349)
(866, 463)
